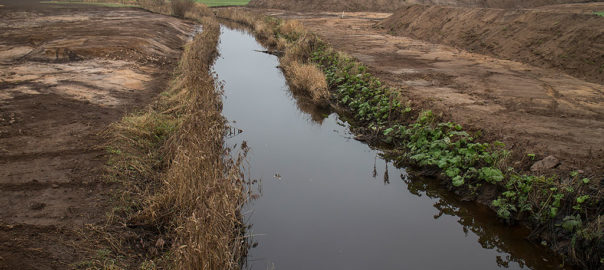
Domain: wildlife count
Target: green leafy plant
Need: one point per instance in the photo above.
(572, 223)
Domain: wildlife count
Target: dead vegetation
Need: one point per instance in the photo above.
(157, 6)
(202, 189)
(181, 184)
(304, 78)
(308, 79)
(179, 7)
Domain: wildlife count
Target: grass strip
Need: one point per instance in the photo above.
(173, 159)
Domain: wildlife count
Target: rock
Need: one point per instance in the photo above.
(545, 164)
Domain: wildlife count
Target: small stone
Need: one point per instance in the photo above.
(545, 164)
(55, 186)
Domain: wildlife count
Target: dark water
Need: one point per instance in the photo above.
(326, 202)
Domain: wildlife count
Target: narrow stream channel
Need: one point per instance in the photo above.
(330, 202)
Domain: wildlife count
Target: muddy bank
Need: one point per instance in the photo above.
(392, 5)
(66, 73)
(568, 42)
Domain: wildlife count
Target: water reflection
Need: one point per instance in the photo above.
(317, 113)
(478, 219)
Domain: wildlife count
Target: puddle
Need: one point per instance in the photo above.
(329, 202)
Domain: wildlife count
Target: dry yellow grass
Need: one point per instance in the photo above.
(203, 189)
(172, 160)
(308, 80)
(303, 77)
(198, 11)
(179, 7)
(292, 29)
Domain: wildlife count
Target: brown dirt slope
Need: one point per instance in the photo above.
(66, 73)
(392, 5)
(573, 43)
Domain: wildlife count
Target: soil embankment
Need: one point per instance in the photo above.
(392, 5)
(570, 42)
(533, 110)
(67, 72)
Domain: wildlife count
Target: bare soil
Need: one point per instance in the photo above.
(559, 37)
(66, 73)
(392, 5)
(533, 110)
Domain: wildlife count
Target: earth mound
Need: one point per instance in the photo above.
(567, 41)
(392, 5)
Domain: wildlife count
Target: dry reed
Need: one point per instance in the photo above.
(172, 158)
(179, 7)
(202, 190)
(157, 6)
(308, 80)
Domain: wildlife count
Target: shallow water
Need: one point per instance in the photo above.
(330, 202)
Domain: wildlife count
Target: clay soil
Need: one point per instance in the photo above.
(392, 5)
(565, 37)
(533, 110)
(66, 73)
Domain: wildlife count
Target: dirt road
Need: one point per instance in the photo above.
(533, 110)
(66, 73)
